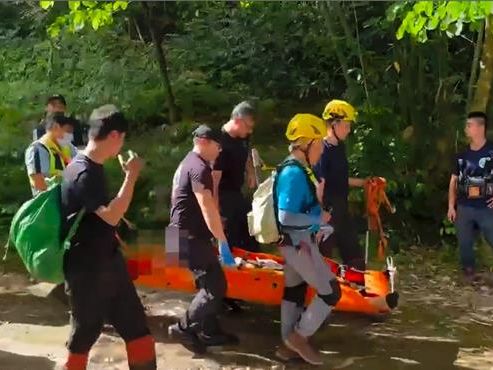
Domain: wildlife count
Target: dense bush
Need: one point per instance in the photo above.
(288, 57)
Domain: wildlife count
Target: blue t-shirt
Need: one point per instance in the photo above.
(294, 193)
(473, 164)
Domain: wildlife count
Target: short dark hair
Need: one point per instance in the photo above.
(205, 132)
(481, 117)
(57, 118)
(57, 97)
(243, 109)
(105, 119)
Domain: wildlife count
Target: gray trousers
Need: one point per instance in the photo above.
(305, 265)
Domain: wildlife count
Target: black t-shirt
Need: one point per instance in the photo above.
(192, 175)
(232, 162)
(334, 168)
(473, 165)
(84, 186)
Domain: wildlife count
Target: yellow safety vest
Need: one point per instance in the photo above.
(60, 157)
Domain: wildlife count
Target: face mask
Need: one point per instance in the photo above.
(66, 139)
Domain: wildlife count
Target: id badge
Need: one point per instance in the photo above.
(473, 192)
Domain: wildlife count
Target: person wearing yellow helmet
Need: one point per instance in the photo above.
(301, 219)
(333, 169)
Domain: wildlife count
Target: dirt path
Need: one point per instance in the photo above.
(438, 325)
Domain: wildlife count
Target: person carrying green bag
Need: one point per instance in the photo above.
(36, 231)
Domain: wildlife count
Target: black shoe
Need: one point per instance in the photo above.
(470, 277)
(232, 306)
(220, 339)
(189, 339)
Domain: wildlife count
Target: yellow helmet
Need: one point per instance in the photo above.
(304, 125)
(339, 109)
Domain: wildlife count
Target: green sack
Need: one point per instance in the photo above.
(35, 233)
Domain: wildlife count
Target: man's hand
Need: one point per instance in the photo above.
(452, 213)
(251, 180)
(326, 217)
(357, 182)
(225, 256)
(133, 166)
(324, 233)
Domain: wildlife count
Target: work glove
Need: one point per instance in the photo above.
(225, 256)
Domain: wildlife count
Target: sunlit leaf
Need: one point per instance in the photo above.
(46, 4)
(96, 21)
(54, 30)
(79, 20)
(73, 5)
(90, 4)
(120, 5)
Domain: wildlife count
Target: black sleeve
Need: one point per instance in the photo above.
(321, 170)
(91, 191)
(455, 166)
(201, 178)
(220, 162)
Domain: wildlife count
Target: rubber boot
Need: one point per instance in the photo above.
(76, 361)
(141, 354)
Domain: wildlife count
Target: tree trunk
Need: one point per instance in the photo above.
(475, 66)
(163, 65)
(351, 84)
(360, 56)
(483, 89)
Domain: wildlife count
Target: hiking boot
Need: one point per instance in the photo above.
(283, 353)
(219, 339)
(302, 347)
(188, 338)
(469, 276)
(231, 306)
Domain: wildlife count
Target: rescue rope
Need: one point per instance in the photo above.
(375, 197)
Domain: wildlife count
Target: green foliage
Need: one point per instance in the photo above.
(96, 14)
(288, 57)
(446, 16)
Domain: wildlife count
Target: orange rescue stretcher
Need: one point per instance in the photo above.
(253, 283)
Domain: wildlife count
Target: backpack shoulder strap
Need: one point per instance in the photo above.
(293, 162)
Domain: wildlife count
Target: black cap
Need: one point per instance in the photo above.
(206, 132)
(56, 97)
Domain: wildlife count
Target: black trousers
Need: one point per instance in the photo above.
(344, 237)
(234, 208)
(202, 314)
(99, 295)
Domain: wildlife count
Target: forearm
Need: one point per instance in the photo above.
(117, 208)
(213, 221)
(216, 179)
(39, 182)
(356, 182)
(249, 169)
(452, 194)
